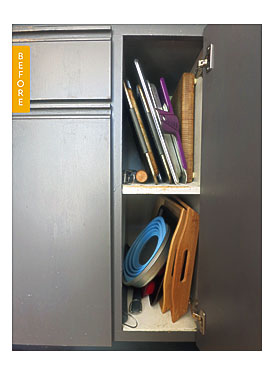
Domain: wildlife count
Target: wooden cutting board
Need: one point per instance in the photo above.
(184, 263)
(183, 106)
(178, 211)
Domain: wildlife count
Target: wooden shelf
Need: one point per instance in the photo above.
(144, 189)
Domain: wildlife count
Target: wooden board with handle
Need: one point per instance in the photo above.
(179, 212)
(184, 263)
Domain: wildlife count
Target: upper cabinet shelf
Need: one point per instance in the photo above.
(162, 58)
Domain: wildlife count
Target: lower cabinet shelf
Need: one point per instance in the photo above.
(151, 319)
(152, 324)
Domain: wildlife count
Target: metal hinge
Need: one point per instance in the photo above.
(208, 61)
(199, 316)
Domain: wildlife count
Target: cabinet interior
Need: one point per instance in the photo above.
(160, 56)
(167, 57)
(138, 211)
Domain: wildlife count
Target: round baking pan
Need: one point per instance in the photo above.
(156, 263)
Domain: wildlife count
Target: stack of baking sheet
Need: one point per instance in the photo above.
(171, 139)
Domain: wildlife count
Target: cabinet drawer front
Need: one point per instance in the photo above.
(61, 231)
(70, 70)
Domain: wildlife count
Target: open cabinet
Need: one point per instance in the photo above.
(226, 193)
(95, 218)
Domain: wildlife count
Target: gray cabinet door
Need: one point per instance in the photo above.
(229, 259)
(70, 70)
(61, 231)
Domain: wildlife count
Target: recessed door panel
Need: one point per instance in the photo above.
(61, 231)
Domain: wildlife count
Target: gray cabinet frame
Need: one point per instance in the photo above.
(119, 32)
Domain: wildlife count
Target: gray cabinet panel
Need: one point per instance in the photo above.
(61, 231)
(229, 262)
(70, 70)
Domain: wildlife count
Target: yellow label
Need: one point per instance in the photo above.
(20, 78)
